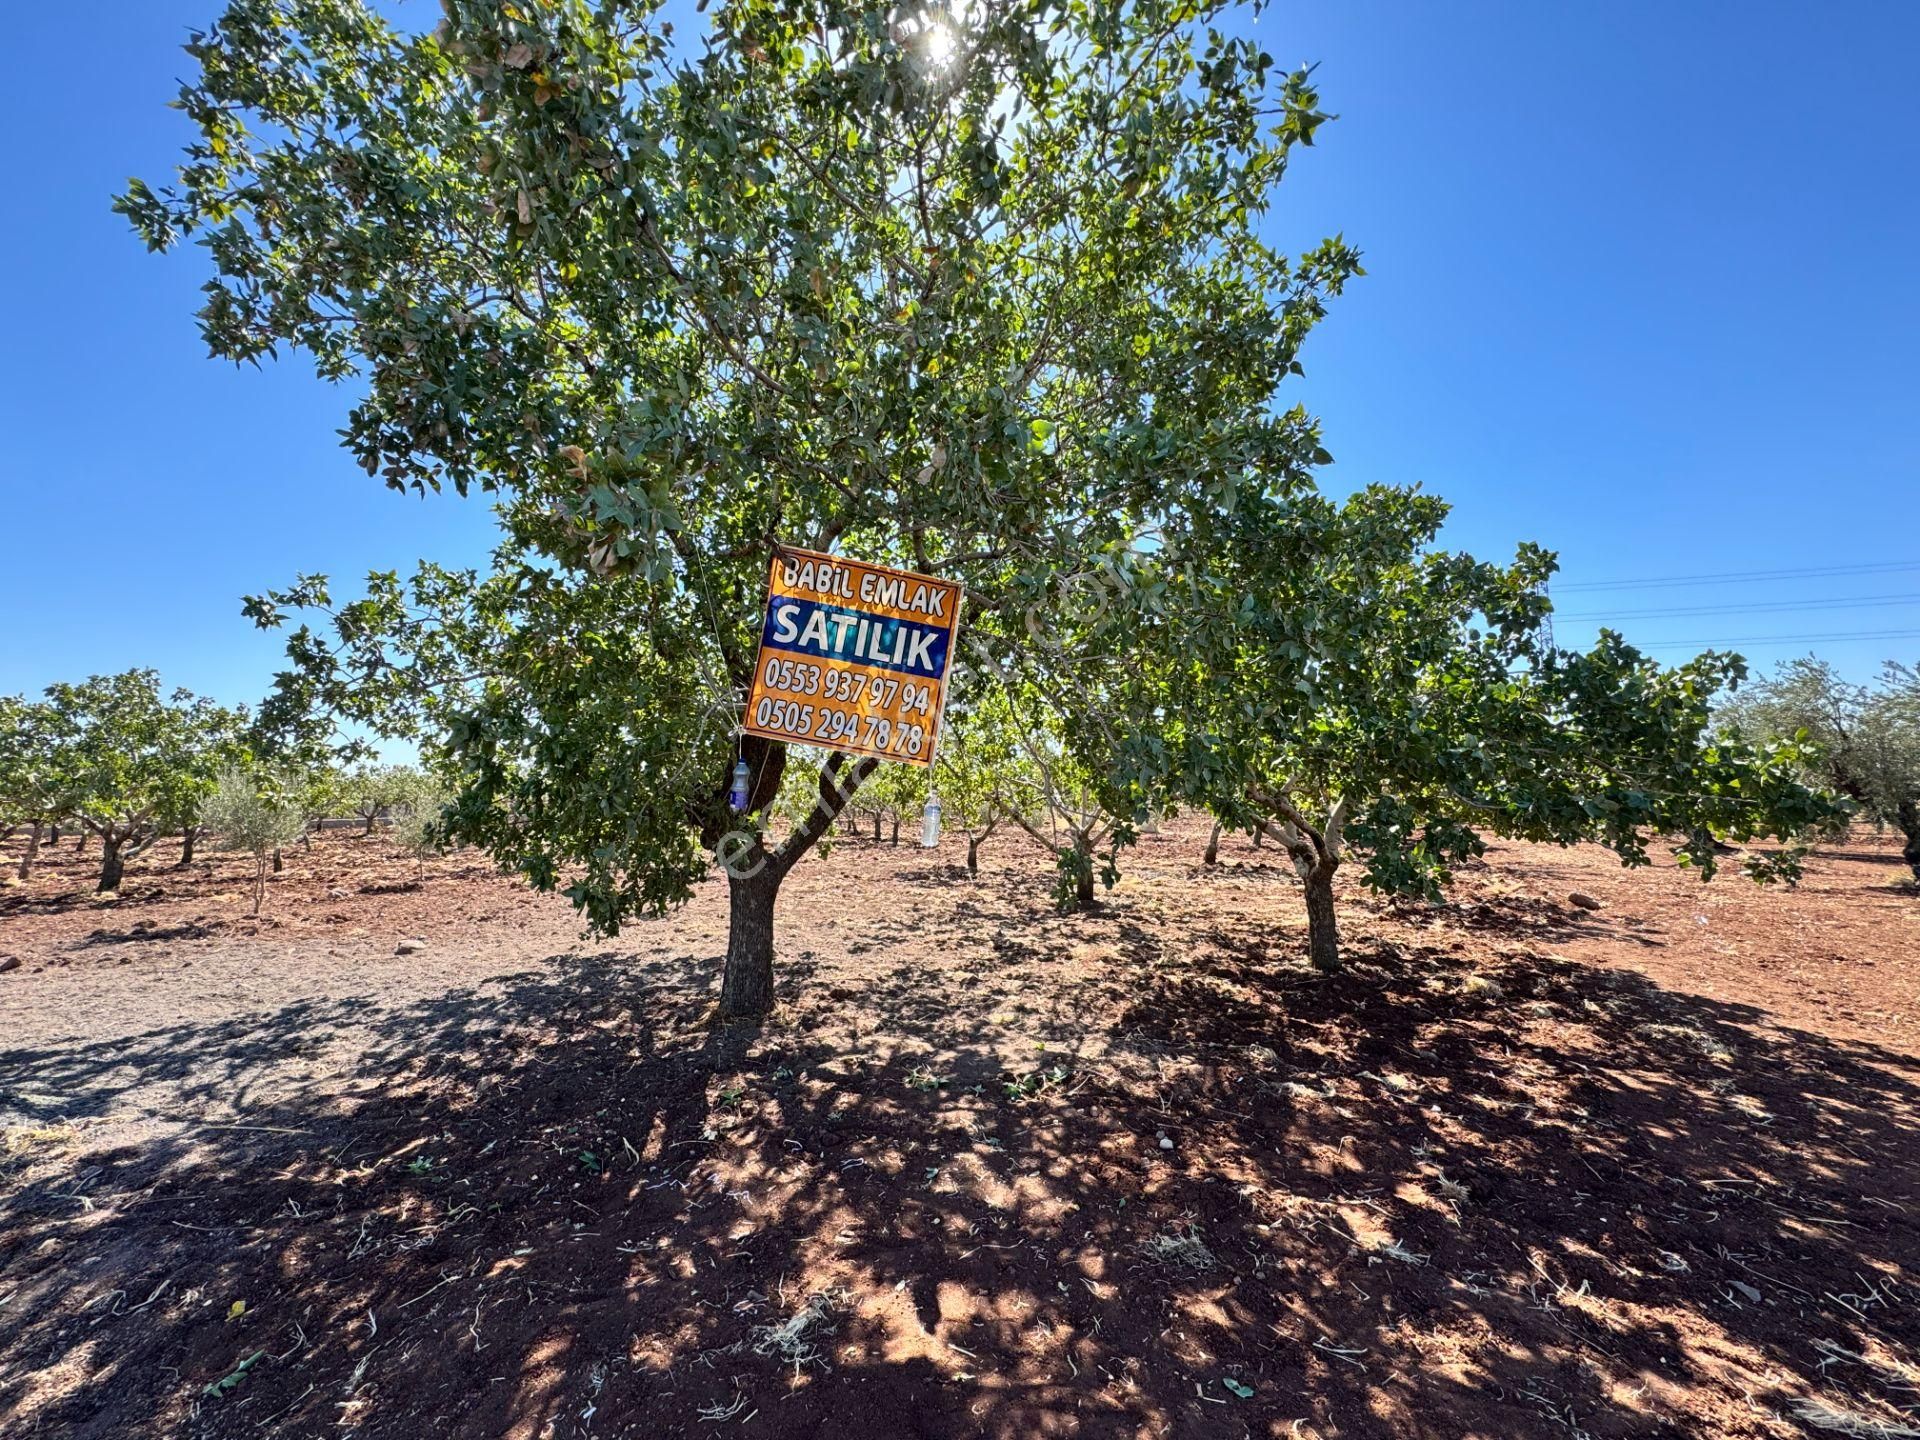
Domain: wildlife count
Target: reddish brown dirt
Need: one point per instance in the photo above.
(1525, 1170)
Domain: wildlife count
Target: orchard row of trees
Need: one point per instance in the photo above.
(985, 295)
(119, 759)
(997, 774)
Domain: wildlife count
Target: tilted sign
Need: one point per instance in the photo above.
(853, 657)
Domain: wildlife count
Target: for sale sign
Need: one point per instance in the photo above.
(853, 657)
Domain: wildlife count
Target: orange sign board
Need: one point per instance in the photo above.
(853, 657)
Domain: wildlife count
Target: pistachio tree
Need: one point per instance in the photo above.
(976, 291)
(1351, 692)
(900, 796)
(211, 738)
(1060, 794)
(981, 775)
(372, 790)
(137, 762)
(35, 775)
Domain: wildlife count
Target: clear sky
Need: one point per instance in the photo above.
(1644, 286)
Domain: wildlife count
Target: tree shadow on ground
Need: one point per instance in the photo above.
(1208, 1195)
(146, 932)
(1530, 918)
(81, 897)
(1889, 856)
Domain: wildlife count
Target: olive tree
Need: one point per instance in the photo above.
(978, 292)
(1866, 738)
(256, 810)
(419, 802)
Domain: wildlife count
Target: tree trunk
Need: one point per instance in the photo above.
(370, 819)
(876, 827)
(1908, 817)
(1259, 837)
(896, 830)
(54, 839)
(278, 864)
(1212, 857)
(746, 985)
(32, 850)
(973, 854)
(754, 875)
(1323, 926)
(80, 845)
(1082, 873)
(186, 844)
(113, 864)
(259, 881)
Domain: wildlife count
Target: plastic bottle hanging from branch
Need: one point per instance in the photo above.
(930, 823)
(737, 796)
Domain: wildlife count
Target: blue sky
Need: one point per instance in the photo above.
(1644, 286)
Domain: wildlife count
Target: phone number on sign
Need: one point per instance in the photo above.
(828, 726)
(800, 678)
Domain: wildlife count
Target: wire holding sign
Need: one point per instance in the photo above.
(853, 657)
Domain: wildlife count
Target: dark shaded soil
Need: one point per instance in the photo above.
(1526, 1170)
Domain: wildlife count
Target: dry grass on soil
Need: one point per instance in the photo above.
(1527, 1170)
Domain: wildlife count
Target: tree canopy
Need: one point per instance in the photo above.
(983, 298)
(134, 763)
(257, 809)
(36, 782)
(1335, 678)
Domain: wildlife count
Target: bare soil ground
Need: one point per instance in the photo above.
(1525, 1170)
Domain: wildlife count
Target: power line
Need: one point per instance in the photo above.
(1732, 577)
(1834, 603)
(1783, 639)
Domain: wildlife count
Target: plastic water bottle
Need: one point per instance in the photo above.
(930, 823)
(737, 796)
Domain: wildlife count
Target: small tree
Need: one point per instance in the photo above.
(323, 792)
(35, 777)
(1867, 737)
(899, 794)
(258, 811)
(980, 774)
(419, 801)
(1057, 798)
(35, 786)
